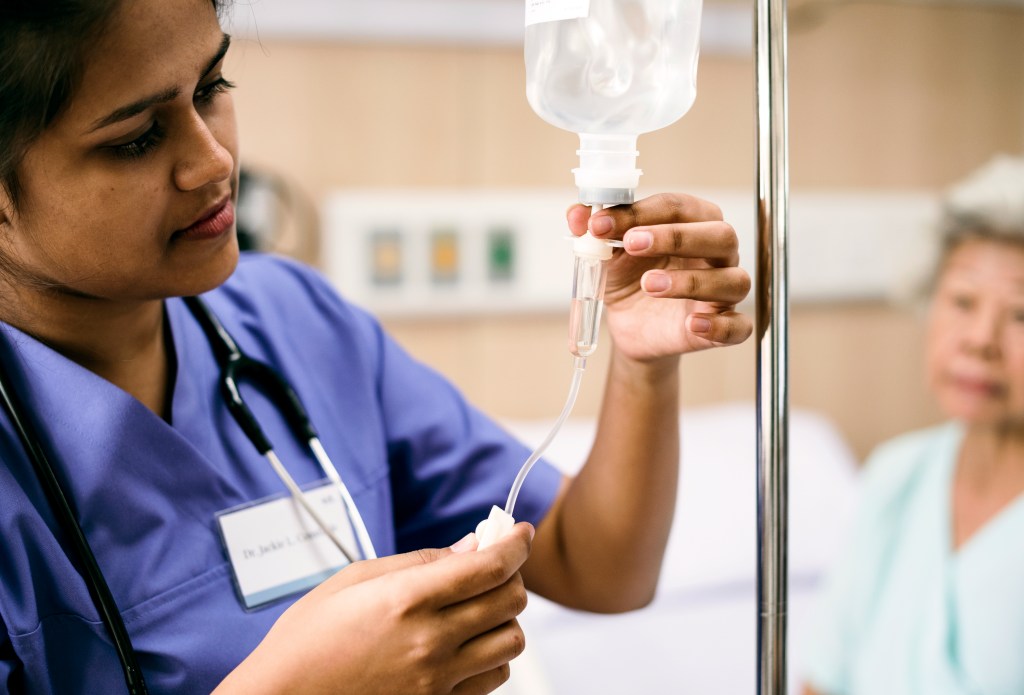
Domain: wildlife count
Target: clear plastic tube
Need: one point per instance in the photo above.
(579, 364)
(591, 257)
(586, 307)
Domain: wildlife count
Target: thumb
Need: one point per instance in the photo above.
(365, 570)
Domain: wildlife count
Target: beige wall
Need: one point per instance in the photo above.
(904, 96)
(859, 364)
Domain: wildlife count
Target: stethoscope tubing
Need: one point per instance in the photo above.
(234, 365)
(68, 521)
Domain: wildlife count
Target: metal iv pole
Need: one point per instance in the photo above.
(772, 348)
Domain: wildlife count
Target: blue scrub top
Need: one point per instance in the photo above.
(422, 465)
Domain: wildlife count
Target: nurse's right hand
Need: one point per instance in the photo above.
(431, 621)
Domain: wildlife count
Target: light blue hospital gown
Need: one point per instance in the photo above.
(905, 614)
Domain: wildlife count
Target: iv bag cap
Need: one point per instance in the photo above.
(607, 196)
(607, 172)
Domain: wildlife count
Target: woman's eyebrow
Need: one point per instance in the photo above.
(225, 44)
(141, 105)
(135, 108)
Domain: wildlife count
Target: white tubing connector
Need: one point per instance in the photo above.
(495, 527)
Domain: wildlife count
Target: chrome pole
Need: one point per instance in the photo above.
(772, 349)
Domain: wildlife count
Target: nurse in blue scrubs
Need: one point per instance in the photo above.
(929, 597)
(119, 171)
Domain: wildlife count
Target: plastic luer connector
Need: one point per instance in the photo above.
(496, 526)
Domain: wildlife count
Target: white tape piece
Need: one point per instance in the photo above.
(538, 11)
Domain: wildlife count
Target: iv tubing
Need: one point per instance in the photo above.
(579, 364)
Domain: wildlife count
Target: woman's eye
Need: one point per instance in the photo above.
(141, 145)
(206, 94)
(962, 302)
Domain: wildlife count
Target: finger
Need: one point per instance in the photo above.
(577, 216)
(483, 682)
(460, 576)
(492, 649)
(487, 611)
(365, 570)
(720, 285)
(726, 328)
(664, 208)
(715, 241)
(466, 544)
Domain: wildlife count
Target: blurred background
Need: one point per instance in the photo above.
(412, 113)
(390, 144)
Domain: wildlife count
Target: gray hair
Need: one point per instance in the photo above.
(987, 204)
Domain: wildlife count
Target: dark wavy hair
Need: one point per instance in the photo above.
(43, 45)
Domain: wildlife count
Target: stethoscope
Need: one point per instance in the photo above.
(234, 366)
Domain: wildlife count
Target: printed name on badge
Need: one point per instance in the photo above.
(276, 548)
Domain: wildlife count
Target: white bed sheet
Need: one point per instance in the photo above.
(699, 634)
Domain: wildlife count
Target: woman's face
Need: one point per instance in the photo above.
(975, 353)
(129, 194)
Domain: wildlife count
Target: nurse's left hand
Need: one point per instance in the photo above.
(675, 286)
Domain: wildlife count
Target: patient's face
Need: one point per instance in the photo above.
(975, 350)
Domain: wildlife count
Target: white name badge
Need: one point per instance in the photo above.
(277, 549)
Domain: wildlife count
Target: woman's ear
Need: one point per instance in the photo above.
(6, 206)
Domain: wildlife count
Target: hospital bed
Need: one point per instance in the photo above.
(699, 634)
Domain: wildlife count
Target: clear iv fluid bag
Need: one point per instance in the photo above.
(627, 67)
(611, 70)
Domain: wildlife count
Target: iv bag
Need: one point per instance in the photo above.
(610, 70)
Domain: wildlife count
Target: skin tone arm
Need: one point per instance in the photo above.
(612, 521)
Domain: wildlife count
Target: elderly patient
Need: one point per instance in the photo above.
(929, 598)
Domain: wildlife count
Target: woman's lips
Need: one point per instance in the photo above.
(212, 225)
(981, 387)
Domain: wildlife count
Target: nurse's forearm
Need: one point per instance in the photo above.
(601, 546)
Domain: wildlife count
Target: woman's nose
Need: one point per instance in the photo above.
(203, 160)
(982, 333)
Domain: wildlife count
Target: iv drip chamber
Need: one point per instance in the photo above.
(588, 283)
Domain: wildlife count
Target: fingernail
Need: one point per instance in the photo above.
(699, 325)
(467, 543)
(655, 282)
(638, 240)
(600, 226)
